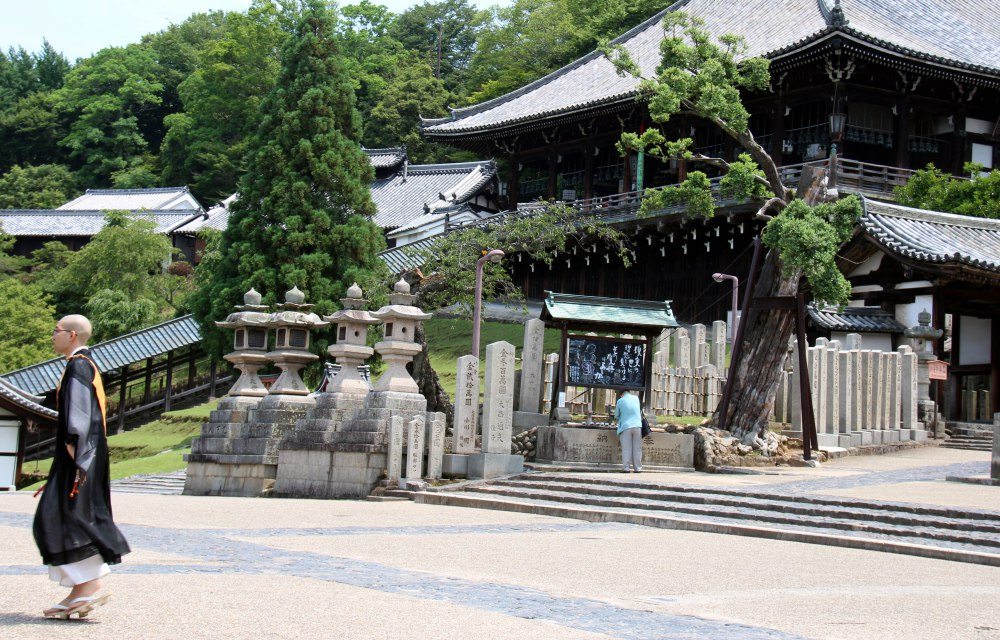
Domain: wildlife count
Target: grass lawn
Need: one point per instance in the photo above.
(450, 338)
(156, 447)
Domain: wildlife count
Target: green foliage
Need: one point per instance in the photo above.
(694, 194)
(46, 264)
(518, 44)
(540, 235)
(412, 92)
(26, 322)
(43, 187)
(448, 27)
(936, 190)
(10, 264)
(118, 277)
(104, 96)
(205, 143)
(302, 218)
(114, 312)
(807, 239)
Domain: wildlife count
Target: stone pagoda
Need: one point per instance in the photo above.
(220, 449)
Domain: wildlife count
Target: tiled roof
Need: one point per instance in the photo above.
(53, 222)
(132, 199)
(25, 402)
(855, 319)
(932, 237)
(113, 354)
(386, 158)
(401, 199)
(960, 33)
(610, 311)
(215, 218)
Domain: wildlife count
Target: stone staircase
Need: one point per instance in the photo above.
(934, 532)
(970, 436)
(171, 484)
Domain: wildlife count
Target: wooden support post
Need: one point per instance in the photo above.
(809, 438)
(560, 379)
(149, 381)
(170, 380)
(122, 392)
(192, 367)
(994, 367)
(647, 366)
(588, 170)
(213, 373)
(512, 183)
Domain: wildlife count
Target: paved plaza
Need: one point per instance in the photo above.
(208, 567)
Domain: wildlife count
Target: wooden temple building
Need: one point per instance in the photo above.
(897, 84)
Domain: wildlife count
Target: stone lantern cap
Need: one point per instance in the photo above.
(923, 330)
(352, 309)
(293, 312)
(400, 312)
(401, 294)
(249, 314)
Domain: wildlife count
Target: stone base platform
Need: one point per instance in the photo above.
(211, 478)
(322, 472)
(494, 465)
(600, 446)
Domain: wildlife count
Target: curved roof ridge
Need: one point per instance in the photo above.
(929, 215)
(549, 77)
(133, 191)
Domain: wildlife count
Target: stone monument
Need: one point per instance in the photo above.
(498, 412)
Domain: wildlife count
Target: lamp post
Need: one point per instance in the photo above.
(492, 255)
(838, 120)
(719, 277)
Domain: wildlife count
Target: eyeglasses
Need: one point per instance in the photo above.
(55, 331)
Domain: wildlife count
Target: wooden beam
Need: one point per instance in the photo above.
(170, 380)
(213, 373)
(122, 391)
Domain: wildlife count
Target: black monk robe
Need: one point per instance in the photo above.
(67, 529)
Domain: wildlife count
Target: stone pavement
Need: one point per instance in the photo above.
(271, 568)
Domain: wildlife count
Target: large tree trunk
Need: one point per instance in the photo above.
(765, 337)
(765, 342)
(428, 381)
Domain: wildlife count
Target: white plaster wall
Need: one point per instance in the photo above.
(869, 265)
(906, 314)
(869, 341)
(974, 340)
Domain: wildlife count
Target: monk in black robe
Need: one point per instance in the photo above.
(74, 528)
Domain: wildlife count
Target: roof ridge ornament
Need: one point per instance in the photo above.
(834, 15)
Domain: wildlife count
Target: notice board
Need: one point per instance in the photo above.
(609, 363)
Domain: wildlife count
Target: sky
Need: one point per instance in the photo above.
(79, 28)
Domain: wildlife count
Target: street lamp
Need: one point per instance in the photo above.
(719, 277)
(492, 255)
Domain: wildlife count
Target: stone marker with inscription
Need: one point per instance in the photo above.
(435, 448)
(532, 357)
(415, 448)
(601, 446)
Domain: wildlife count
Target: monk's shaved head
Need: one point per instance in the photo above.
(77, 323)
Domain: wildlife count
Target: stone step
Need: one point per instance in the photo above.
(843, 510)
(163, 484)
(961, 438)
(992, 517)
(967, 447)
(668, 520)
(825, 519)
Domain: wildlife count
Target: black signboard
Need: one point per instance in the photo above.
(606, 363)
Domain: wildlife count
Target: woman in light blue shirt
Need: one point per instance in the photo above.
(628, 414)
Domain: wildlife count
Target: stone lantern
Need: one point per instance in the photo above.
(398, 347)
(351, 348)
(922, 336)
(292, 323)
(249, 345)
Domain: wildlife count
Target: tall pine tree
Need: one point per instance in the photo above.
(303, 215)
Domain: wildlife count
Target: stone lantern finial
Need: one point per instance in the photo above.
(354, 291)
(294, 296)
(251, 298)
